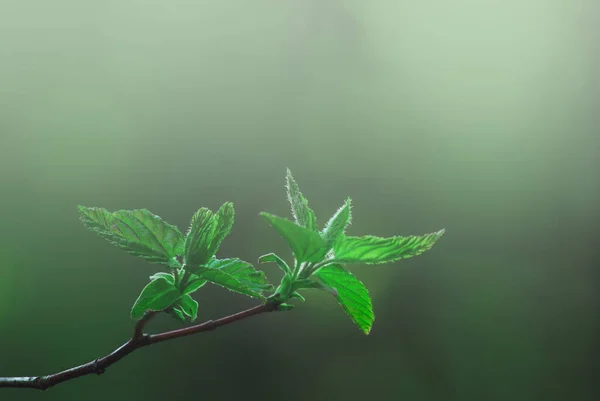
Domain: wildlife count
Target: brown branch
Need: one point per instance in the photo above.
(138, 340)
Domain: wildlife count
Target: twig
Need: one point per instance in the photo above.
(138, 340)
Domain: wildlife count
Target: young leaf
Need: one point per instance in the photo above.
(226, 280)
(282, 293)
(169, 277)
(337, 225)
(223, 221)
(352, 295)
(193, 284)
(303, 214)
(371, 250)
(316, 282)
(188, 306)
(139, 232)
(296, 294)
(199, 238)
(307, 245)
(174, 264)
(244, 272)
(284, 307)
(158, 295)
(271, 257)
(206, 233)
(176, 312)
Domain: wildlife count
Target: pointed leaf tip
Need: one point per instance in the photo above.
(224, 219)
(138, 232)
(303, 214)
(158, 295)
(207, 231)
(370, 249)
(188, 306)
(350, 293)
(307, 245)
(271, 257)
(199, 238)
(338, 223)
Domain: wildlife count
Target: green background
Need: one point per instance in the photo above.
(480, 117)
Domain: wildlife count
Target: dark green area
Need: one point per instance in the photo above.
(479, 119)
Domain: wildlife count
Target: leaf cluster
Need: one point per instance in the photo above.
(190, 260)
(321, 256)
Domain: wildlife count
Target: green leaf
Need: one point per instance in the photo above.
(303, 214)
(199, 238)
(284, 307)
(176, 312)
(296, 294)
(207, 231)
(271, 257)
(226, 280)
(193, 284)
(158, 295)
(169, 277)
(139, 232)
(244, 272)
(283, 291)
(352, 295)
(188, 306)
(223, 221)
(336, 226)
(371, 250)
(316, 282)
(174, 263)
(307, 245)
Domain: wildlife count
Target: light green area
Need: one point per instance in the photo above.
(248, 276)
(316, 267)
(188, 306)
(235, 275)
(350, 293)
(139, 232)
(306, 244)
(206, 232)
(158, 295)
(371, 249)
(336, 225)
(303, 214)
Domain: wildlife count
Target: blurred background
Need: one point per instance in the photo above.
(480, 117)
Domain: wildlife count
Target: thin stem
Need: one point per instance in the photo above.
(296, 272)
(210, 324)
(185, 278)
(176, 276)
(137, 340)
(319, 265)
